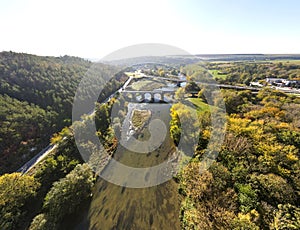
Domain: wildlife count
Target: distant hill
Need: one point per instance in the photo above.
(44, 81)
(247, 57)
(178, 60)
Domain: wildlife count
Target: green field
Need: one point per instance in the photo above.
(215, 74)
(283, 61)
(146, 85)
(286, 61)
(200, 105)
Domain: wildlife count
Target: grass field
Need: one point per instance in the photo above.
(284, 61)
(200, 105)
(146, 85)
(216, 74)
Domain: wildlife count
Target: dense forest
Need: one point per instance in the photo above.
(59, 185)
(254, 182)
(36, 96)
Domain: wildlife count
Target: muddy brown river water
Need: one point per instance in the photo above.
(118, 207)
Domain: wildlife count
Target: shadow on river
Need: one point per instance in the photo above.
(156, 207)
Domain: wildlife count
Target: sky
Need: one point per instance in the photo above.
(95, 28)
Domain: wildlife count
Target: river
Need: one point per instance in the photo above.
(118, 207)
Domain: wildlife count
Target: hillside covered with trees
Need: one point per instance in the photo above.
(58, 187)
(36, 95)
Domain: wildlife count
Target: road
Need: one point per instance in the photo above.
(36, 159)
(42, 154)
(224, 86)
(203, 83)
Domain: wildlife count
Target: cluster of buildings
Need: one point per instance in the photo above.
(278, 82)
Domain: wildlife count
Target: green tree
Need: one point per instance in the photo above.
(274, 189)
(16, 191)
(102, 118)
(66, 195)
(192, 87)
(248, 198)
(286, 218)
(40, 222)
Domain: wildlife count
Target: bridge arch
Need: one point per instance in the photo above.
(148, 96)
(128, 96)
(158, 96)
(139, 96)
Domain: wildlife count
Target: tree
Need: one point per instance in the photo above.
(248, 198)
(234, 101)
(287, 217)
(16, 191)
(65, 196)
(243, 222)
(175, 128)
(179, 94)
(192, 87)
(274, 189)
(161, 72)
(209, 203)
(102, 118)
(40, 222)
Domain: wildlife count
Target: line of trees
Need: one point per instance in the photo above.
(245, 72)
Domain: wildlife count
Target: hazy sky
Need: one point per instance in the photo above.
(94, 28)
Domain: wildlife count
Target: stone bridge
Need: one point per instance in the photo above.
(138, 96)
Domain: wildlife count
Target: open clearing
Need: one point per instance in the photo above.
(146, 85)
(217, 74)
